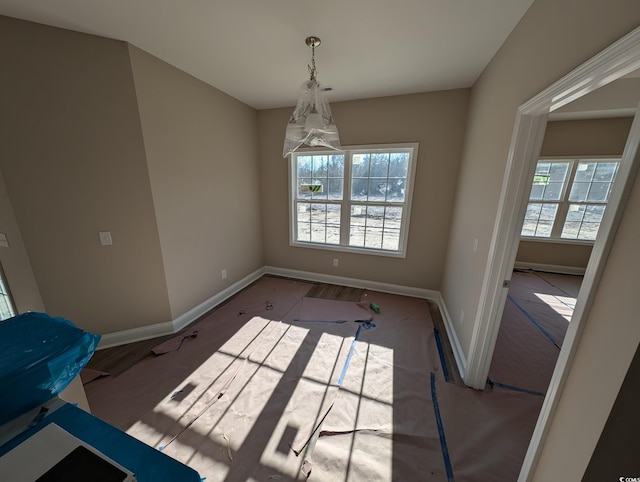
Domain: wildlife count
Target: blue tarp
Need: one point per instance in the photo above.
(39, 356)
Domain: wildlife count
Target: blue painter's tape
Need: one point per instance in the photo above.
(516, 389)
(532, 320)
(443, 362)
(443, 441)
(366, 325)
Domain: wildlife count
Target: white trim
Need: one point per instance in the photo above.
(123, 337)
(550, 268)
(206, 306)
(614, 62)
(345, 202)
(170, 327)
(458, 352)
(354, 283)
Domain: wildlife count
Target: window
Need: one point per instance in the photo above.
(568, 198)
(357, 199)
(7, 308)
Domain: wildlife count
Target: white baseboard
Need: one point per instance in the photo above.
(194, 313)
(550, 268)
(170, 327)
(354, 283)
(135, 334)
(458, 353)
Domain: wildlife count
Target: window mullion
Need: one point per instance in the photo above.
(563, 205)
(345, 210)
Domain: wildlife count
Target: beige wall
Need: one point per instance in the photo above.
(436, 121)
(202, 154)
(596, 137)
(552, 38)
(73, 160)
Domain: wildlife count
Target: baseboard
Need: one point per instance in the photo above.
(135, 334)
(354, 283)
(550, 268)
(170, 327)
(458, 353)
(194, 313)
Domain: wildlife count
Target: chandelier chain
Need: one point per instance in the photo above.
(312, 68)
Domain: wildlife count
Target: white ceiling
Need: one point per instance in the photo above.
(254, 50)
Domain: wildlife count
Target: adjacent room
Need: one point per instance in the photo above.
(287, 241)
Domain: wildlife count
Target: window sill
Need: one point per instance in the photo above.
(578, 242)
(348, 249)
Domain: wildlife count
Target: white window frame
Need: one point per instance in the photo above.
(564, 202)
(7, 305)
(346, 202)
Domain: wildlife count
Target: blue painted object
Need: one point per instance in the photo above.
(39, 356)
(144, 461)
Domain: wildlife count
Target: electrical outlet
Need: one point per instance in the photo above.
(336, 262)
(461, 316)
(475, 245)
(224, 273)
(105, 238)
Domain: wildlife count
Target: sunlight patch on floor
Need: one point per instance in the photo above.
(563, 305)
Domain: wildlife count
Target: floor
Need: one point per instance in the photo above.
(275, 387)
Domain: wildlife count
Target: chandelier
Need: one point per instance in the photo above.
(311, 122)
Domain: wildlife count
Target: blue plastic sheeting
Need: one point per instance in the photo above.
(147, 463)
(39, 356)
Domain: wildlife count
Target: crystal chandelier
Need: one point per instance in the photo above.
(311, 122)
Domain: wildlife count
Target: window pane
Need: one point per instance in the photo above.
(336, 166)
(304, 166)
(570, 230)
(399, 164)
(318, 233)
(391, 239)
(359, 189)
(553, 191)
(373, 237)
(548, 181)
(395, 190)
(320, 166)
(558, 172)
(335, 189)
(583, 221)
(537, 190)
(593, 181)
(377, 189)
(313, 176)
(599, 192)
(543, 229)
(579, 191)
(304, 212)
(539, 219)
(379, 165)
(358, 215)
(360, 167)
(605, 171)
(593, 214)
(375, 216)
(584, 171)
(356, 236)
